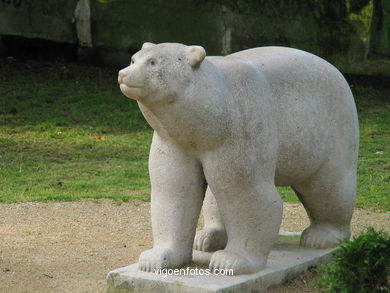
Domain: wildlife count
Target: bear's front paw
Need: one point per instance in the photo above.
(210, 239)
(156, 258)
(223, 259)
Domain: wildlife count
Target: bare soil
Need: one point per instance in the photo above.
(71, 246)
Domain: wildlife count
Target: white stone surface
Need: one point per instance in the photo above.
(240, 125)
(284, 262)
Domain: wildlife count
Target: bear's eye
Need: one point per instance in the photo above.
(132, 61)
(152, 62)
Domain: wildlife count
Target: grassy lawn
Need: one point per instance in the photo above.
(67, 133)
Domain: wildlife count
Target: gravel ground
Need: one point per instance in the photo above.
(70, 247)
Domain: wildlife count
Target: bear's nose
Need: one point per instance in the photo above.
(120, 76)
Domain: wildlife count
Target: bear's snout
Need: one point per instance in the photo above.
(131, 82)
(121, 75)
(131, 76)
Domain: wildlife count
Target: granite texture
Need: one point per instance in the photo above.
(234, 128)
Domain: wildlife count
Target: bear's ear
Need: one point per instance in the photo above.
(147, 45)
(196, 55)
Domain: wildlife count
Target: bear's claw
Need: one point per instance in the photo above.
(154, 259)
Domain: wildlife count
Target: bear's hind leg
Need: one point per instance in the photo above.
(329, 198)
(213, 235)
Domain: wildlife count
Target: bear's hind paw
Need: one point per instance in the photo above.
(323, 236)
(210, 239)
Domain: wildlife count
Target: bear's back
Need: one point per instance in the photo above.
(302, 76)
(313, 105)
(303, 85)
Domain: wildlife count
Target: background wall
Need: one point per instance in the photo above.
(354, 35)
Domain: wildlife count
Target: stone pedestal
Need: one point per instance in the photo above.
(286, 260)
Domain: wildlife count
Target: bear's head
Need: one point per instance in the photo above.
(160, 72)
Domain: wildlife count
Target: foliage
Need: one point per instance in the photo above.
(359, 266)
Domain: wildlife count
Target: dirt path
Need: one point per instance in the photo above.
(70, 247)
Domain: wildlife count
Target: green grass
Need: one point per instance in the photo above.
(67, 133)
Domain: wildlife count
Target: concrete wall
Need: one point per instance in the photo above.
(46, 19)
(339, 31)
(124, 25)
(352, 34)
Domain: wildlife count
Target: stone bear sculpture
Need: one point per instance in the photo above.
(227, 131)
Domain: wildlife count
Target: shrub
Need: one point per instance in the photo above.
(359, 266)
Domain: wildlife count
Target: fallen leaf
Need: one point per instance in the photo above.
(49, 276)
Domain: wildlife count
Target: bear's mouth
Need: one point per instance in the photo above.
(131, 85)
(131, 91)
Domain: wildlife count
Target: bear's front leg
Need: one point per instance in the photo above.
(250, 207)
(252, 217)
(178, 188)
